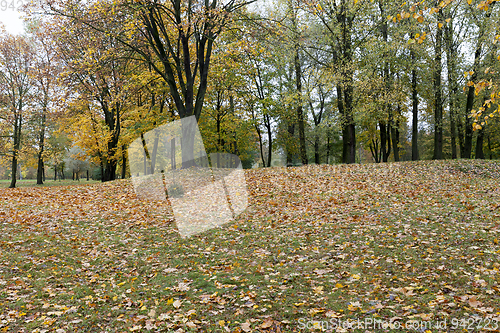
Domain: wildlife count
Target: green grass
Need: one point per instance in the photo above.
(49, 182)
(405, 241)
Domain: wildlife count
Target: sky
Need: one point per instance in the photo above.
(11, 19)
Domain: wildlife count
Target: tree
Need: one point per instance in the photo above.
(45, 73)
(76, 161)
(16, 54)
(482, 27)
(318, 93)
(96, 67)
(297, 62)
(174, 38)
(225, 124)
(438, 99)
(338, 19)
(451, 66)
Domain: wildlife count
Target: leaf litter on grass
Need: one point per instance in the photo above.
(318, 245)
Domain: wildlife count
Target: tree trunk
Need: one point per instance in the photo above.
(269, 139)
(112, 120)
(351, 143)
(348, 126)
(261, 147)
(300, 110)
(124, 162)
(385, 130)
(374, 149)
(14, 172)
(385, 141)
(414, 100)
(17, 146)
(328, 146)
(395, 137)
(479, 144)
(289, 153)
(345, 63)
(470, 96)
(316, 149)
(340, 106)
(438, 100)
(451, 58)
(41, 141)
(468, 123)
(395, 142)
(111, 170)
(259, 134)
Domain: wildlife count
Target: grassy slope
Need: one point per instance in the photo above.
(407, 241)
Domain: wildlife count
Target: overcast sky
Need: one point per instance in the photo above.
(11, 20)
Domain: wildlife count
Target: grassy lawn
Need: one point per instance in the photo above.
(49, 182)
(413, 243)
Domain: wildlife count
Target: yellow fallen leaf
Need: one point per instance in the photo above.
(315, 311)
(426, 316)
(267, 323)
(318, 290)
(49, 322)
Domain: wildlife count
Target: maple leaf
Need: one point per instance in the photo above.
(245, 327)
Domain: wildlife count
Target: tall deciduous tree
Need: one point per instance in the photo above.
(438, 98)
(175, 38)
(45, 72)
(297, 64)
(16, 65)
(451, 67)
(96, 66)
